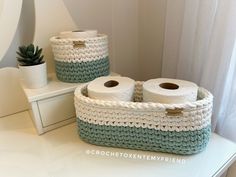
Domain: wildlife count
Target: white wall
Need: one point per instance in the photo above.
(151, 37)
(24, 34)
(135, 29)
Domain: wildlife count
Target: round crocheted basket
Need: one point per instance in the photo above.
(173, 128)
(80, 60)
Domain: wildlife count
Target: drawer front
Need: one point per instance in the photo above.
(56, 109)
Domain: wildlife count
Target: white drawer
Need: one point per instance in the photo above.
(56, 109)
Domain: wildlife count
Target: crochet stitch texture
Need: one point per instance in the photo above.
(82, 71)
(183, 142)
(80, 63)
(145, 126)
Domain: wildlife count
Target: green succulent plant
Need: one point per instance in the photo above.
(29, 55)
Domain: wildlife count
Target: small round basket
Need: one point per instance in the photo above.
(80, 60)
(173, 128)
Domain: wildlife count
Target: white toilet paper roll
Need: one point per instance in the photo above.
(111, 88)
(169, 91)
(81, 34)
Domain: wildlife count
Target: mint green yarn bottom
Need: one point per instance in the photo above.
(83, 71)
(184, 142)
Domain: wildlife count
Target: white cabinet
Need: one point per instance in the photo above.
(56, 109)
(53, 105)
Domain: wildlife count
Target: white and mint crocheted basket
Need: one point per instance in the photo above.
(173, 128)
(80, 60)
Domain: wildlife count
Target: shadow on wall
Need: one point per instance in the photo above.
(24, 33)
(12, 97)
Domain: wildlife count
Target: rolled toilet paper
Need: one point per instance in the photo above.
(169, 91)
(111, 88)
(80, 34)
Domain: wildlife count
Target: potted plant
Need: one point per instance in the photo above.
(32, 66)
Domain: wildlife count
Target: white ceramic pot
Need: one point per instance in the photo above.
(34, 76)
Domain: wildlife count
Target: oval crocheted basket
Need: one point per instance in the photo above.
(80, 60)
(173, 128)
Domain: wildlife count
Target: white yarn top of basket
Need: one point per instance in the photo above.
(58, 40)
(95, 48)
(193, 115)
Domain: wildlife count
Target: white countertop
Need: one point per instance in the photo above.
(60, 153)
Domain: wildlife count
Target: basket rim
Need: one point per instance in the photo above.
(57, 38)
(207, 100)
